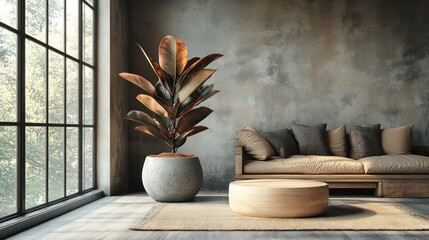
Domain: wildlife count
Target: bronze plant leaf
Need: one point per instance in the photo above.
(205, 61)
(190, 132)
(152, 105)
(150, 130)
(167, 55)
(193, 98)
(191, 61)
(196, 64)
(162, 76)
(140, 117)
(140, 82)
(193, 82)
(181, 56)
(162, 92)
(209, 95)
(192, 118)
(180, 142)
(173, 55)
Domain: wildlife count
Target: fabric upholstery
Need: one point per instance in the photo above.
(396, 164)
(337, 140)
(254, 143)
(397, 140)
(308, 164)
(312, 140)
(282, 141)
(365, 142)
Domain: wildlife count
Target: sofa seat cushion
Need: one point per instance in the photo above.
(305, 164)
(396, 164)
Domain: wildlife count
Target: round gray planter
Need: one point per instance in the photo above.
(172, 179)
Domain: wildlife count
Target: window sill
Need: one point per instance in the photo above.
(32, 219)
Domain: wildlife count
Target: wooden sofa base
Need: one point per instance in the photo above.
(384, 185)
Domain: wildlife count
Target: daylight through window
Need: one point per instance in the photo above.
(47, 111)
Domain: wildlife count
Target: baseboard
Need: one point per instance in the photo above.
(32, 219)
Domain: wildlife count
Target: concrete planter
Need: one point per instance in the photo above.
(172, 179)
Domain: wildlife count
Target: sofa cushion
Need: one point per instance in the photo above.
(254, 143)
(396, 164)
(337, 140)
(365, 142)
(282, 141)
(312, 140)
(305, 164)
(397, 140)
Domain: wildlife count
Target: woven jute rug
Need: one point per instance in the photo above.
(341, 216)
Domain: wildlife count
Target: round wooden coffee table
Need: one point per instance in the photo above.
(278, 198)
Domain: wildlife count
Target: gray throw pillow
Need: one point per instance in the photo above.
(312, 140)
(282, 141)
(366, 142)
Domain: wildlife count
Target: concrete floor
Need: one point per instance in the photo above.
(110, 218)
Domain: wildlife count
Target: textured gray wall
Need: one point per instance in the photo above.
(338, 62)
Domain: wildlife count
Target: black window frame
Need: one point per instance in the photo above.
(21, 123)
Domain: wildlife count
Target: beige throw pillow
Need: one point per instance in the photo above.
(338, 141)
(254, 143)
(397, 141)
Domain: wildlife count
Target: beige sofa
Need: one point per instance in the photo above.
(388, 175)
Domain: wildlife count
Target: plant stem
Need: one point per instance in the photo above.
(173, 95)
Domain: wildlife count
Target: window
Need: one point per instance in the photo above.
(47, 103)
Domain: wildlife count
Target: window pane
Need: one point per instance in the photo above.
(88, 147)
(72, 159)
(56, 24)
(72, 26)
(9, 12)
(35, 19)
(8, 170)
(35, 166)
(88, 96)
(56, 163)
(8, 76)
(88, 34)
(56, 88)
(90, 2)
(72, 87)
(35, 83)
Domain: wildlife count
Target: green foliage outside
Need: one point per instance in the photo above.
(63, 88)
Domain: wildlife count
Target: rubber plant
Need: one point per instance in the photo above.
(171, 112)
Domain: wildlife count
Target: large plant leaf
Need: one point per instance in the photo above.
(194, 65)
(173, 55)
(191, 62)
(162, 76)
(190, 132)
(192, 118)
(167, 55)
(162, 92)
(205, 89)
(152, 131)
(144, 118)
(182, 77)
(198, 101)
(152, 105)
(193, 82)
(181, 56)
(180, 142)
(140, 82)
(207, 96)
(205, 61)
(140, 117)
